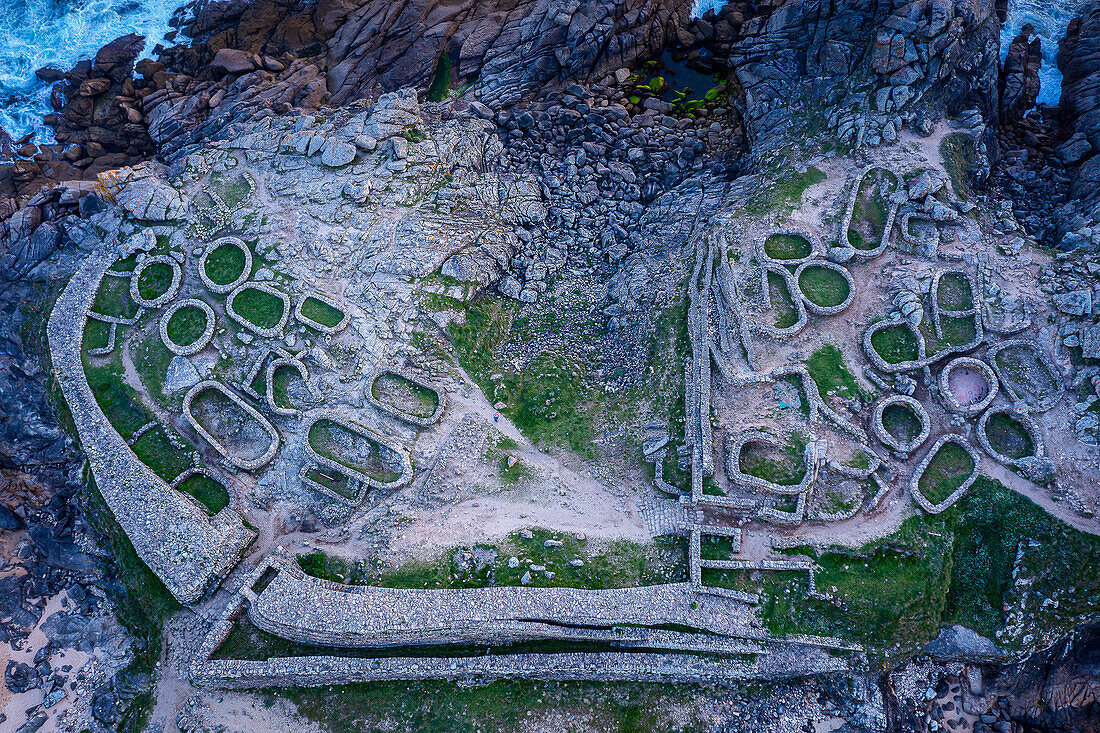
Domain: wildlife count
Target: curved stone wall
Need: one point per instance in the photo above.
(246, 272)
(826, 310)
(167, 295)
(736, 476)
(406, 461)
(186, 549)
(814, 241)
(1025, 421)
(242, 463)
(884, 435)
(1048, 401)
(437, 414)
(950, 399)
(275, 331)
(903, 366)
(914, 481)
(849, 211)
(796, 301)
(301, 318)
(198, 344)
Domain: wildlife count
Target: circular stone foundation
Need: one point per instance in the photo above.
(967, 386)
(163, 297)
(885, 426)
(825, 287)
(259, 290)
(203, 339)
(225, 265)
(1017, 436)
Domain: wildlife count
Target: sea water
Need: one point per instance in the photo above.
(37, 33)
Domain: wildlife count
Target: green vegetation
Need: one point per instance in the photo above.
(896, 344)
(714, 547)
(956, 567)
(504, 705)
(113, 298)
(787, 247)
(947, 471)
(155, 280)
(512, 470)
(870, 212)
(97, 334)
(441, 79)
(151, 361)
(206, 491)
(233, 191)
(960, 159)
(186, 325)
(823, 286)
(321, 312)
(1025, 374)
(618, 564)
(405, 395)
(786, 314)
(156, 451)
(117, 399)
(787, 189)
(1009, 436)
(334, 481)
(954, 330)
(357, 452)
(259, 307)
(280, 385)
(953, 292)
(901, 422)
(827, 369)
(785, 466)
(225, 264)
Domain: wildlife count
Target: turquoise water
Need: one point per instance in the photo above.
(1050, 19)
(37, 33)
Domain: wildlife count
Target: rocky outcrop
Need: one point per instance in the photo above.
(867, 68)
(1020, 75)
(1079, 60)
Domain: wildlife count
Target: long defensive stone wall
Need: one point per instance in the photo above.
(187, 550)
(313, 611)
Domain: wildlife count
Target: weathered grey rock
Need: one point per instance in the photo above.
(1074, 303)
(963, 644)
(232, 61)
(338, 154)
(181, 375)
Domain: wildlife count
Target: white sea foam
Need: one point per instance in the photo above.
(37, 33)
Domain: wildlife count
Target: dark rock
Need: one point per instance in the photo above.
(1019, 82)
(50, 74)
(20, 677)
(963, 644)
(231, 61)
(9, 520)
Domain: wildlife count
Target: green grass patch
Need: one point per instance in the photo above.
(259, 307)
(321, 312)
(186, 325)
(786, 189)
(786, 314)
(441, 79)
(155, 280)
(225, 264)
(953, 568)
(960, 159)
(151, 361)
(953, 292)
(158, 453)
(206, 491)
(232, 190)
(113, 298)
(947, 471)
(1008, 436)
(97, 335)
(785, 466)
(824, 287)
(334, 481)
(405, 395)
(787, 247)
(827, 369)
(901, 422)
(357, 452)
(119, 402)
(896, 344)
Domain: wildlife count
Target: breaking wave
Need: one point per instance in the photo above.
(37, 33)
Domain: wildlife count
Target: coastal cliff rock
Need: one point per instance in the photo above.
(1079, 60)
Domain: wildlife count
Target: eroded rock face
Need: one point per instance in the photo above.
(1079, 61)
(1020, 76)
